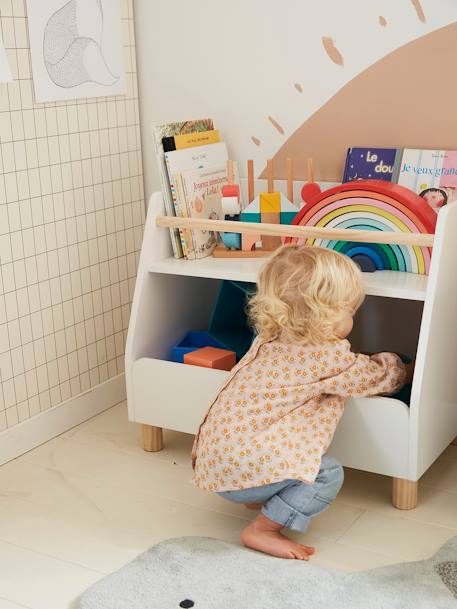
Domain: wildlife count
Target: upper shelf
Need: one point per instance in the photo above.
(391, 284)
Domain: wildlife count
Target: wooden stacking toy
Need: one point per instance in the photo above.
(270, 207)
(231, 206)
(370, 205)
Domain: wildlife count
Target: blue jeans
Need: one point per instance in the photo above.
(293, 503)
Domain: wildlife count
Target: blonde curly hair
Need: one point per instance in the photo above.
(304, 293)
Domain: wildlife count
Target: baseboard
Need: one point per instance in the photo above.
(55, 421)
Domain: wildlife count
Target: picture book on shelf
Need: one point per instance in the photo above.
(430, 173)
(371, 164)
(200, 194)
(187, 159)
(170, 130)
(189, 140)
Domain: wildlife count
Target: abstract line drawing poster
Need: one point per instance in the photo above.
(77, 48)
(5, 72)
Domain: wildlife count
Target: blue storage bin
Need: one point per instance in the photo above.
(191, 342)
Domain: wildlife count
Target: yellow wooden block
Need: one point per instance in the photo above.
(270, 202)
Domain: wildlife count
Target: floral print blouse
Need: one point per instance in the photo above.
(276, 414)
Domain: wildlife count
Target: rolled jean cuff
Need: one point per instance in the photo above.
(281, 512)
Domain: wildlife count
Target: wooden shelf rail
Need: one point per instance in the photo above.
(285, 230)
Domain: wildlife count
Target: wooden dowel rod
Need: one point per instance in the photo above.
(310, 170)
(271, 184)
(285, 230)
(290, 180)
(230, 174)
(250, 181)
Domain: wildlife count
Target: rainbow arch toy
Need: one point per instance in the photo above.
(371, 205)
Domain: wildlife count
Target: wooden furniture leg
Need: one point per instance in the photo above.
(152, 438)
(404, 494)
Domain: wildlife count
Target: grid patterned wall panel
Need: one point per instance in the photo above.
(71, 222)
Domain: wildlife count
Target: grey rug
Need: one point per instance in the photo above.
(209, 574)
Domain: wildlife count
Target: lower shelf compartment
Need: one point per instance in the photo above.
(373, 434)
(172, 395)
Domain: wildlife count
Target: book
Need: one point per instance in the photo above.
(187, 159)
(190, 140)
(430, 173)
(170, 130)
(372, 164)
(201, 190)
(187, 241)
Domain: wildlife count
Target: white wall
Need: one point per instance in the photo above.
(238, 62)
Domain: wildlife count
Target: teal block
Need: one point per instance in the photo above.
(287, 217)
(250, 217)
(229, 323)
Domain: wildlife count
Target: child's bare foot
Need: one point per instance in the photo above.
(253, 506)
(264, 535)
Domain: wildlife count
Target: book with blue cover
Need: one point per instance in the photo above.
(372, 164)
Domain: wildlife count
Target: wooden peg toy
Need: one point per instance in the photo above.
(231, 207)
(311, 189)
(251, 191)
(290, 179)
(231, 189)
(269, 207)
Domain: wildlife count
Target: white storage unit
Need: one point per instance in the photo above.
(404, 312)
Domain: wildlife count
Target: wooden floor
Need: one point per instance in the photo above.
(84, 504)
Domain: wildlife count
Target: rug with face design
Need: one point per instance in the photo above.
(209, 574)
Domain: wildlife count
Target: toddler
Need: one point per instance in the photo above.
(264, 438)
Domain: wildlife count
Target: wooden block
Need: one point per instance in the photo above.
(248, 242)
(271, 217)
(270, 243)
(247, 216)
(270, 202)
(230, 206)
(210, 357)
(287, 217)
(231, 190)
(231, 240)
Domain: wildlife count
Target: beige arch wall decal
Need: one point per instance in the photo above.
(407, 99)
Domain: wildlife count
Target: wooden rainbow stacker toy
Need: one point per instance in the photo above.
(371, 205)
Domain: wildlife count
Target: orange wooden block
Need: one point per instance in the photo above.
(248, 242)
(210, 357)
